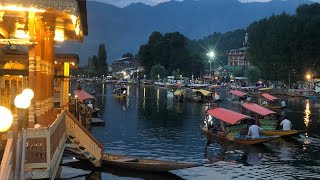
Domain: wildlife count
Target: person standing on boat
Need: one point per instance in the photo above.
(254, 130)
(286, 124)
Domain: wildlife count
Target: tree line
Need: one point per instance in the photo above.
(281, 47)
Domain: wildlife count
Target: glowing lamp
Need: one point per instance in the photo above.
(28, 93)
(211, 54)
(22, 101)
(308, 76)
(6, 119)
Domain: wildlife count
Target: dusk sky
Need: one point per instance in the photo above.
(123, 3)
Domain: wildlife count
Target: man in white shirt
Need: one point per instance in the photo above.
(286, 124)
(254, 131)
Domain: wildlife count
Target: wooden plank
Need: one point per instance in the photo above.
(36, 165)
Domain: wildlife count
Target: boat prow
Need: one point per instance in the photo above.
(281, 132)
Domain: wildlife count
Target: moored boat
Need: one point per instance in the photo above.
(140, 164)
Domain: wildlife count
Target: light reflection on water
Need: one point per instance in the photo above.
(154, 126)
(307, 113)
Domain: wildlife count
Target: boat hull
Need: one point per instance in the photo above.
(280, 132)
(238, 140)
(130, 163)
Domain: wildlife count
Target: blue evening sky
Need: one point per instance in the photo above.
(123, 3)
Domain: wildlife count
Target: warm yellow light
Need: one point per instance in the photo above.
(21, 34)
(77, 29)
(66, 69)
(72, 63)
(22, 101)
(73, 19)
(55, 62)
(76, 96)
(20, 8)
(6, 119)
(59, 35)
(28, 93)
(308, 76)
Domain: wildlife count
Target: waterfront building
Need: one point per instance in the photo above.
(34, 144)
(238, 57)
(124, 63)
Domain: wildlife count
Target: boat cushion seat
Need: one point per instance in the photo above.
(237, 129)
(268, 124)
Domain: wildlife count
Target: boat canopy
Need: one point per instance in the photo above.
(202, 91)
(257, 109)
(178, 92)
(82, 95)
(238, 93)
(269, 97)
(227, 116)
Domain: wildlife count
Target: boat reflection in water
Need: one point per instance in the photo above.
(234, 153)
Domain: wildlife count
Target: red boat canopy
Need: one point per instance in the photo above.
(82, 95)
(238, 93)
(257, 109)
(269, 97)
(227, 116)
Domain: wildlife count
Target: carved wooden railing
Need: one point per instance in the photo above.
(6, 169)
(84, 139)
(44, 148)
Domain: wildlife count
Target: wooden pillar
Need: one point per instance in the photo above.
(31, 85)
(38, 82)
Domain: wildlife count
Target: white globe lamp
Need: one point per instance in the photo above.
(6, 119)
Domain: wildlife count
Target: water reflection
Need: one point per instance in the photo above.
(307, 114)
(153, 125)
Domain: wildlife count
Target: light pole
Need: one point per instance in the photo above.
(158, 77)
(211, 55)
(22, 102)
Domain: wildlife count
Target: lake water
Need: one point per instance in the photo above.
(149, 124)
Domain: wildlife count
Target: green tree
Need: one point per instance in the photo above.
(102, 60)
(253, 74)
(157, 70)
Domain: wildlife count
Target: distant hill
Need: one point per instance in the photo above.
(125, 29)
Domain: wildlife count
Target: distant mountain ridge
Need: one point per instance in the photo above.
(125, 29)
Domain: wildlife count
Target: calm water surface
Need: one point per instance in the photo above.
(149, 124)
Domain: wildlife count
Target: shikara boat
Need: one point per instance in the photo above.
(237, 95)
(269, 126)
(201, 95)
(139, 164)
(274, 102)
(233, 128)
(120, 92)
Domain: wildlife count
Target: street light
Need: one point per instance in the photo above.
(22, 102)
(211, 55)
(6, 119)
(158, 77)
